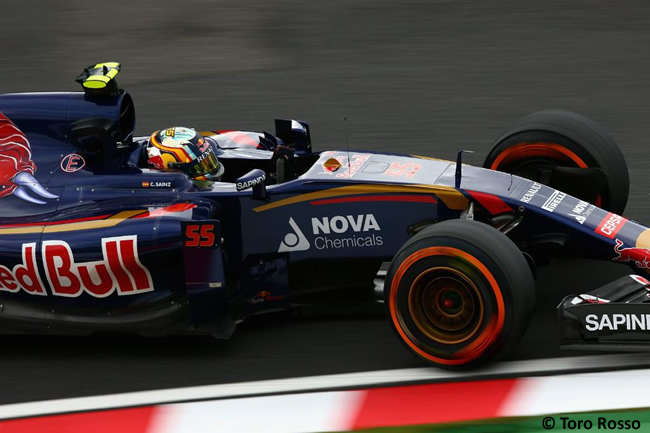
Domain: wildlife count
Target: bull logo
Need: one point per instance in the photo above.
(640, 256)
(16, 165)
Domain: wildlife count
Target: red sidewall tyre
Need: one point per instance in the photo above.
(477, 267)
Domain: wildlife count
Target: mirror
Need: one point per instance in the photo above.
(254, 179)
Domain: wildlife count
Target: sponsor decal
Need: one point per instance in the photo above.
(349, 224)
(615, 322)
(553, 201)
(244, 184)
(294, 241)
(265, 296)
(17, 167)
(355, 164)
(581, 211)
(403, 169)
(156, 184)
(331, 165)
(349, 231)
(119, 271)
(532, 192)
(72, 163)
(206, 151)
(610, 225)
(640, 256)
(340, 224)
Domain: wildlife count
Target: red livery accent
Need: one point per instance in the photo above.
(131, 263)
(119, 270)
(121, 277)
(88, 273)
(162, 211)
(366, 198)
(15, 155)
(611, 225)
(192, 235)
(405, 169)
(199, 235)
(7, 280)
(27, 274)
(72, 163)
(640, 256)
(58, 260)
(639, 279)
(354, 164)
(490, 202)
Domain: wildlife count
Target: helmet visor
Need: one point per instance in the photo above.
(205, 164)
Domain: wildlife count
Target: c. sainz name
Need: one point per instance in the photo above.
(119, 271)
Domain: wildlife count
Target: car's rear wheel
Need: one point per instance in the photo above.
(567, 151)
(459, 294)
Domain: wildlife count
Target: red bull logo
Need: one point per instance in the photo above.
(119, 271)
(16, 166)
(640, 256)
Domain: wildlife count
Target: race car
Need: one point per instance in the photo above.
(92, 238)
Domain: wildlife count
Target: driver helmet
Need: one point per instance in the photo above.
(184, 149)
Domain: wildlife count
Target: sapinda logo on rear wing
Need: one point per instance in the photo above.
(120, 270)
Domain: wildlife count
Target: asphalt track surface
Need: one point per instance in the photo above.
(427, 77)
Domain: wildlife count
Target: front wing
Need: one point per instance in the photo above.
(615, 316)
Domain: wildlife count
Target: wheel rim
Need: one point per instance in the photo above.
(446, 305)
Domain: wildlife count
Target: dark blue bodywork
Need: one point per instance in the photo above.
(117, 246)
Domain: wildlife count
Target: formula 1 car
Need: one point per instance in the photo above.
(92, 239)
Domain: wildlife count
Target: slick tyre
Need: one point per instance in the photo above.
(543, 141)
(459, 294)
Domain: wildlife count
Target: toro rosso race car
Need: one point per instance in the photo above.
(92, 238)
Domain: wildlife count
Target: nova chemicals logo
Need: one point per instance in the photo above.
(294, 241)
(349, 231)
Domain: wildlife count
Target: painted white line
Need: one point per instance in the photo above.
(318, 383)
(291, 413)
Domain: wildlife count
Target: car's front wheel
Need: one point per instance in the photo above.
(459, 294)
